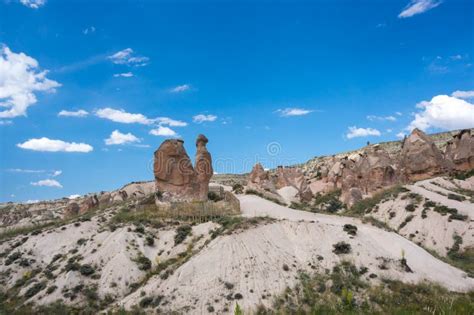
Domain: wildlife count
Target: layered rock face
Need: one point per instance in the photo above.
(420, 158)
(283, 177)
(175, 177)
(460, 151)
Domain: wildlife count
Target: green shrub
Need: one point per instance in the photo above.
(143, 263)
(149, 240)
(457, 216)
(350, 229)
(181, 233)
(341, 248)
(406, 221)
(366, 205)
(410, 207)
(214, 196)
(238, 188)
(456, 197)
(86, 270)
(33, 290)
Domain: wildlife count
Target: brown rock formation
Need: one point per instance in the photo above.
(420, 158)
(71, 210)
(175, 177)
(460, 150)
(203, 167)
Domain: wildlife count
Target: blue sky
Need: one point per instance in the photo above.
(275, 82)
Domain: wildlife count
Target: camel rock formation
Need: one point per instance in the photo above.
(175, 177)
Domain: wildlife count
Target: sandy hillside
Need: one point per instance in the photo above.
(248, 267)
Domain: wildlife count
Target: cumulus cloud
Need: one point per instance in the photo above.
(355, 132)
(180, 88)
(163, 131)
(19, 80)
(170, 122)
(48, 145)
(129, 58)
(78, 113)
(417, 7)
(74, 196)
(287, 112)
(381, 118)
(121, 116)
(124, 75)
(463, 94)
(401, 135)
(6, 122)
(33, 4)
(47, 183)
(443, 112)
(116, 137)
(203, 118)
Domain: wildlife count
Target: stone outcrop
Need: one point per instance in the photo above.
(175, 177)
(262, 180)
(420, 158)
(203, 167)
(460, 151)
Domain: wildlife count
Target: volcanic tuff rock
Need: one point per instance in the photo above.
(283, 177)
(175, 177)
(460, 150)
(420, 158)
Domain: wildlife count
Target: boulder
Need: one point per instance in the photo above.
(71, 210)
(88, 204)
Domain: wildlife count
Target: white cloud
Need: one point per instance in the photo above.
(19, 80)
(287, 112)
(124, 75)
(57, 173)
(381, 118)
(88, 30)
(398, 113)
(121, 116)
(47, 183)
(401, 135)
(417, 7)
(180, 88)
(127, 57)
(116, 137)
(463, 94)
(78, 113)
(74, 196)
(6, 122)
(32, 201)
(443, 112)
(170, 122)
(20, 170)
(203, 118)
(33, 4)
(355, 132)
(163, 131)
(48, 145)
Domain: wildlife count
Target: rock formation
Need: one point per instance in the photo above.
(175, 177)
(460, 150)
(203, 167)
(420, 158)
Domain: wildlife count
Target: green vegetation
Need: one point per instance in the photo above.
(344, 291)
(464, 175)
(367, 205)
(231, 224)
(406, 221)
(181, 233)
(238, 188)
(350, 229)
(341, 248)
(456, 197)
